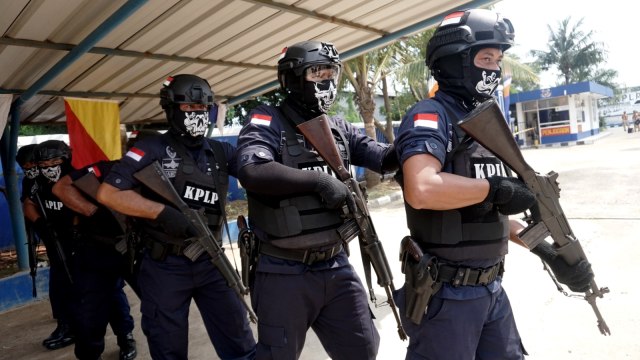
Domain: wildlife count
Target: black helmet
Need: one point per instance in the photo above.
(296, 58)
(185, 89)
(26, 155)
(52, 149)
(461, 30)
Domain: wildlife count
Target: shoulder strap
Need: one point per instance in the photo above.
(460, 141)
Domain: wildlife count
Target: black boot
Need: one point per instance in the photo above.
(127, 346)
(60, 337)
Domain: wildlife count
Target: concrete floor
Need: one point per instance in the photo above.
(601, 198)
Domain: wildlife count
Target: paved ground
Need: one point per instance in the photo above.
(601, 198)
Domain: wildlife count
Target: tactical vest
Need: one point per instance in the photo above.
(460, 234)
(205, 193)
(302, 221)
(57, 215)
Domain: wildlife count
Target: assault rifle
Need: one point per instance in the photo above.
(32, 248)
(318, 133)
(55, 241)
(487, 126)
(155, 179)
(248, 250)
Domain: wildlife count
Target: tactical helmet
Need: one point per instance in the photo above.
(185, 89)
(461, 30)
(298, 57)
(52, 149)
(26, 155)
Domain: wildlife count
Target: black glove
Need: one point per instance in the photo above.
(333, 191)
(577, 277)
(390, 161)
(42, 229)
(174, 223)
(510, 195)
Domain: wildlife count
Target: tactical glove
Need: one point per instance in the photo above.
(333, 191)
(174, 223)
(577, 277)
(510, 195)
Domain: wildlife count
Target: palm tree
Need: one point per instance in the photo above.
(363, 73)
(572, 51)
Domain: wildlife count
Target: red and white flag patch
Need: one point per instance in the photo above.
(261, 119)
(426, 120)
(94, 169)
(135, 153)
(453, 18)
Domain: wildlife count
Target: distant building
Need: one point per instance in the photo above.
(558, 114)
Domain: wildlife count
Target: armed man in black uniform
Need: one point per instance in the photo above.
(53, 224)
(303, 277)
(458, 196)
(99, 267)
(26, 159)
(198, 169)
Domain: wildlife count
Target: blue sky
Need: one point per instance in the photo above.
(616, 23)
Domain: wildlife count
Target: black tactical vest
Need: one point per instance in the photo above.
(205, 192)
(460, 235)
(58, 216)
(299, 222)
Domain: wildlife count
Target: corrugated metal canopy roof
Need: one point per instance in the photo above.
(234, 44)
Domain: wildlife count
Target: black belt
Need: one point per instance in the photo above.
(168, 248)
(307, 257)
(463, 276)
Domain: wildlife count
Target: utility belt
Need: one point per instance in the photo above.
(465, 276)
(307, 257)
(424, 275)
(159, 250)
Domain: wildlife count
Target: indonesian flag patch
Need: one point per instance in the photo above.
(453, 18)
(426, 120)
(135, 153)
(261, 119)
(94, 169)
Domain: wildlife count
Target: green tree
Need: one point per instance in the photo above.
(573, 52)
(363, 73)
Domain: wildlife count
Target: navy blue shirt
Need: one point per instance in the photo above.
(156, 148)
(261, 140)
(428, 129)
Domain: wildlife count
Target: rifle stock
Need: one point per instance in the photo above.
(487, 126)
(155, 179)
(318, 133)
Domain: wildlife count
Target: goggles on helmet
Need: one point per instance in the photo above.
(321, 72)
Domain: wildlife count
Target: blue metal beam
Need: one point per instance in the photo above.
(362, 49)
(11, 177)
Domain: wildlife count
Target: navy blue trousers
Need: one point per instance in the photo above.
(166, 290)
(332, 302)
(100, 299)
(60, 287)
(482, 329)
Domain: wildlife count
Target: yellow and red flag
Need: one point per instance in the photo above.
(94, 130)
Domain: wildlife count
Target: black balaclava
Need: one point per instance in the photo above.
(32, 172)
(188, 126)
(458, 76)
(54, 173)
(311, 98)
